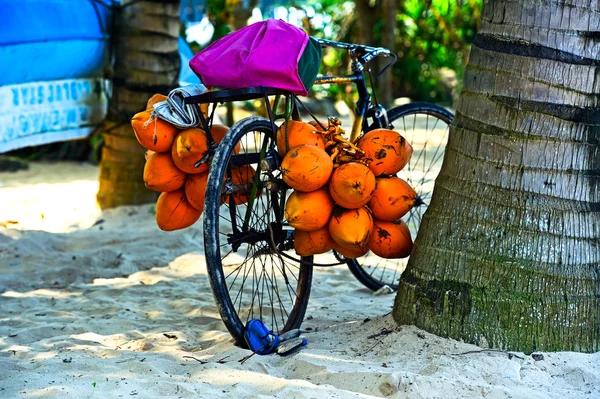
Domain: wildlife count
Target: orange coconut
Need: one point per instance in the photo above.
(218, 132)
(153, 133)
(204, 109)
(392, 199)
(352, 185)
(195, 190)
(389, 151)
(306, 168)
(161, 174)
(308, 243)
(390, 240)
(157, 98)
(299, 133)
(309, 211)
(350, 253)
(351, 228)
(174, 212)
(190, 147)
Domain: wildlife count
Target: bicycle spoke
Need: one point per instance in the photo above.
(261, 292)
(287, 284)
(256, 292)
(284, 271)
(276, 299)
(271, 294)
(240, 293)
(435, 159)
(237, 271)
(383, 269)
(241, 267)
(227, 254)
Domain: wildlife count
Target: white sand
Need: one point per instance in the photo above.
(87, 298)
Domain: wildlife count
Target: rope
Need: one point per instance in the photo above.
(309, 112)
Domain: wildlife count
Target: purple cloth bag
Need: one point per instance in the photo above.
(262, 54)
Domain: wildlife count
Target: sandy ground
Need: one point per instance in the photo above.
(106, 305)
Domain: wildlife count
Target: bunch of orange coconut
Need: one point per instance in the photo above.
(177, 166)
(346, 195)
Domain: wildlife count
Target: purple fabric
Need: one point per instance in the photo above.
(262, 54)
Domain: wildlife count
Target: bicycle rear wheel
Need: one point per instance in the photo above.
(426, 127)
(245, 239)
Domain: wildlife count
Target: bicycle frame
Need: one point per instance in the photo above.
(364, 107)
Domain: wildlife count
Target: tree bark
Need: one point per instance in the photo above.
(146, 61)
(370, 15)
(508, 254)
(390, 10)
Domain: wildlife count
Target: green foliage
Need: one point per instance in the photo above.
(432, 42)
(434, 38)
(218, 15)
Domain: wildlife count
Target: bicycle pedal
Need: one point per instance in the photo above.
(290, 335)
(291, 345)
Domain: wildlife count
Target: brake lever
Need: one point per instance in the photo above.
(388, 65)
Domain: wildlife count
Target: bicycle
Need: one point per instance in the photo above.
(253, 270)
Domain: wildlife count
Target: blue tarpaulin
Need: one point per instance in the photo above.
(54, 55)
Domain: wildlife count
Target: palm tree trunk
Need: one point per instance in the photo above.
(146, 61)
(390, 11)
(509, 251)
(368, 15)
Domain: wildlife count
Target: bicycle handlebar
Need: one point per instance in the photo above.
(364, 54)
(377, 52)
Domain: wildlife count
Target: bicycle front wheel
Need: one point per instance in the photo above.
(426, 127)
(245, 239)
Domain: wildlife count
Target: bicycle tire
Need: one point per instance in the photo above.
(266, 274)
(375, 272)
